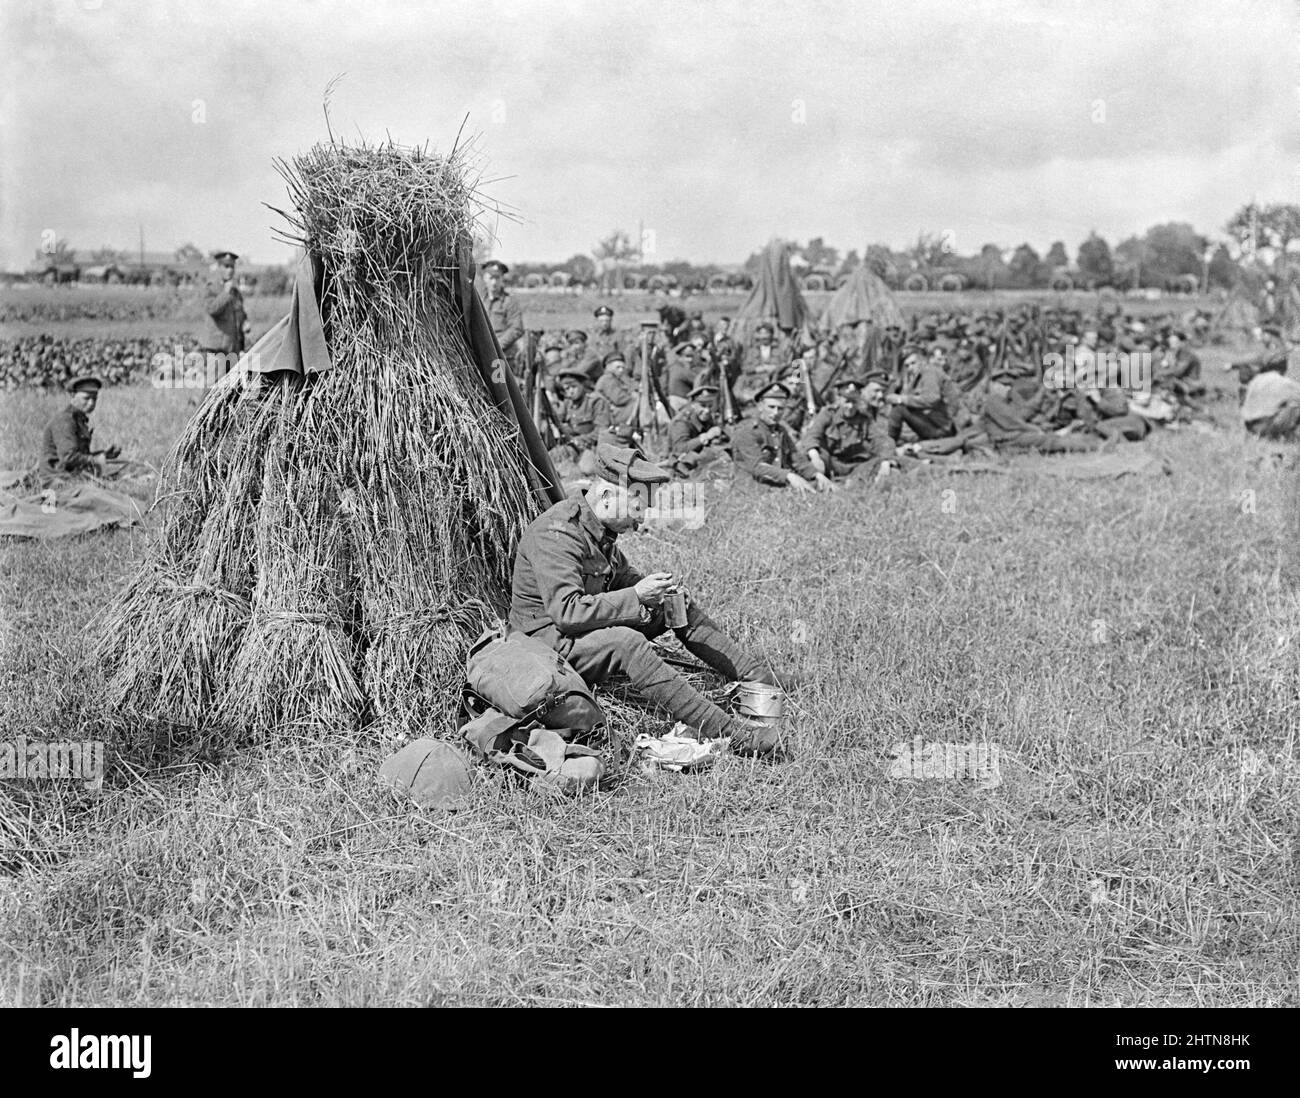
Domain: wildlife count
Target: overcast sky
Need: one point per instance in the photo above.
(715, 125)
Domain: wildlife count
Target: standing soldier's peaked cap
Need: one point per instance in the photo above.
(89, 381)
(496, 265)
(225, 255)
(627, 464)
(603, 310)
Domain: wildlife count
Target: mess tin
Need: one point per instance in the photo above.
(760, 701)
(675, 609)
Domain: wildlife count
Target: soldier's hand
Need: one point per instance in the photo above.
(798, 483)
(824, 483)
(651, 590)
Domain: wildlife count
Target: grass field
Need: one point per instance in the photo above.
(1132, 648)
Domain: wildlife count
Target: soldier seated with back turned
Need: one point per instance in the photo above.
(574, 589)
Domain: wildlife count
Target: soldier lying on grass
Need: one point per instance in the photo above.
(574, 589)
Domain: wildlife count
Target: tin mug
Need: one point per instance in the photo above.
(675, 610)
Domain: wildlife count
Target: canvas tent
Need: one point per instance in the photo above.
(863, 297)
(775, 297)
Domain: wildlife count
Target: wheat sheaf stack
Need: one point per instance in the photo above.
(331, 541)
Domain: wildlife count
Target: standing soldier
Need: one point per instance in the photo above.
(581, 417)
(604, 340)
(848, 438)
(503, 311)
(574, 589)
(763, 447)
(226, 328)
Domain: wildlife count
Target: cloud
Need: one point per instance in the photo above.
(718, 126)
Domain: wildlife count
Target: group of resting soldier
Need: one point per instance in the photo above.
(865, 403)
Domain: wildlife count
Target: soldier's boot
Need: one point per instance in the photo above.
(704, 640)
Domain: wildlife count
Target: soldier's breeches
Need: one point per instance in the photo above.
(934, 423)
(705, 641)
(603, 652)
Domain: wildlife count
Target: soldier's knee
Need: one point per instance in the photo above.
(626, 644)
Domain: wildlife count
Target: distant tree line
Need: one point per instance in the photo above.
(1254, 245)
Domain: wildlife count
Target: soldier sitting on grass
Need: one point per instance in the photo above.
(65, 445)
(574, 589)
(848, 439)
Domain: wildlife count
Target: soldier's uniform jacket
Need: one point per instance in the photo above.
(570, 573)
(619, 395)
(682, 374)
(601, 344)
(766, 453)
(65, 445)
(776, 358)
(684, 432)
(1183, 365)
(849, 436)
(224, 320)
(507, 318)
(924, 387)
(582, 420)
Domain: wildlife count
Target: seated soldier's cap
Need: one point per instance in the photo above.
(684, 348)
(847, 383)
(575, 373)
(88, 382)
(219, 256)
(910, 349)
(496, 265)
(705, 389)
(776, 390)
(876, 377)
(627, 464)
(613, 356)
(603, 310)
(764, 326)
(553, 344)
(576, 335)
